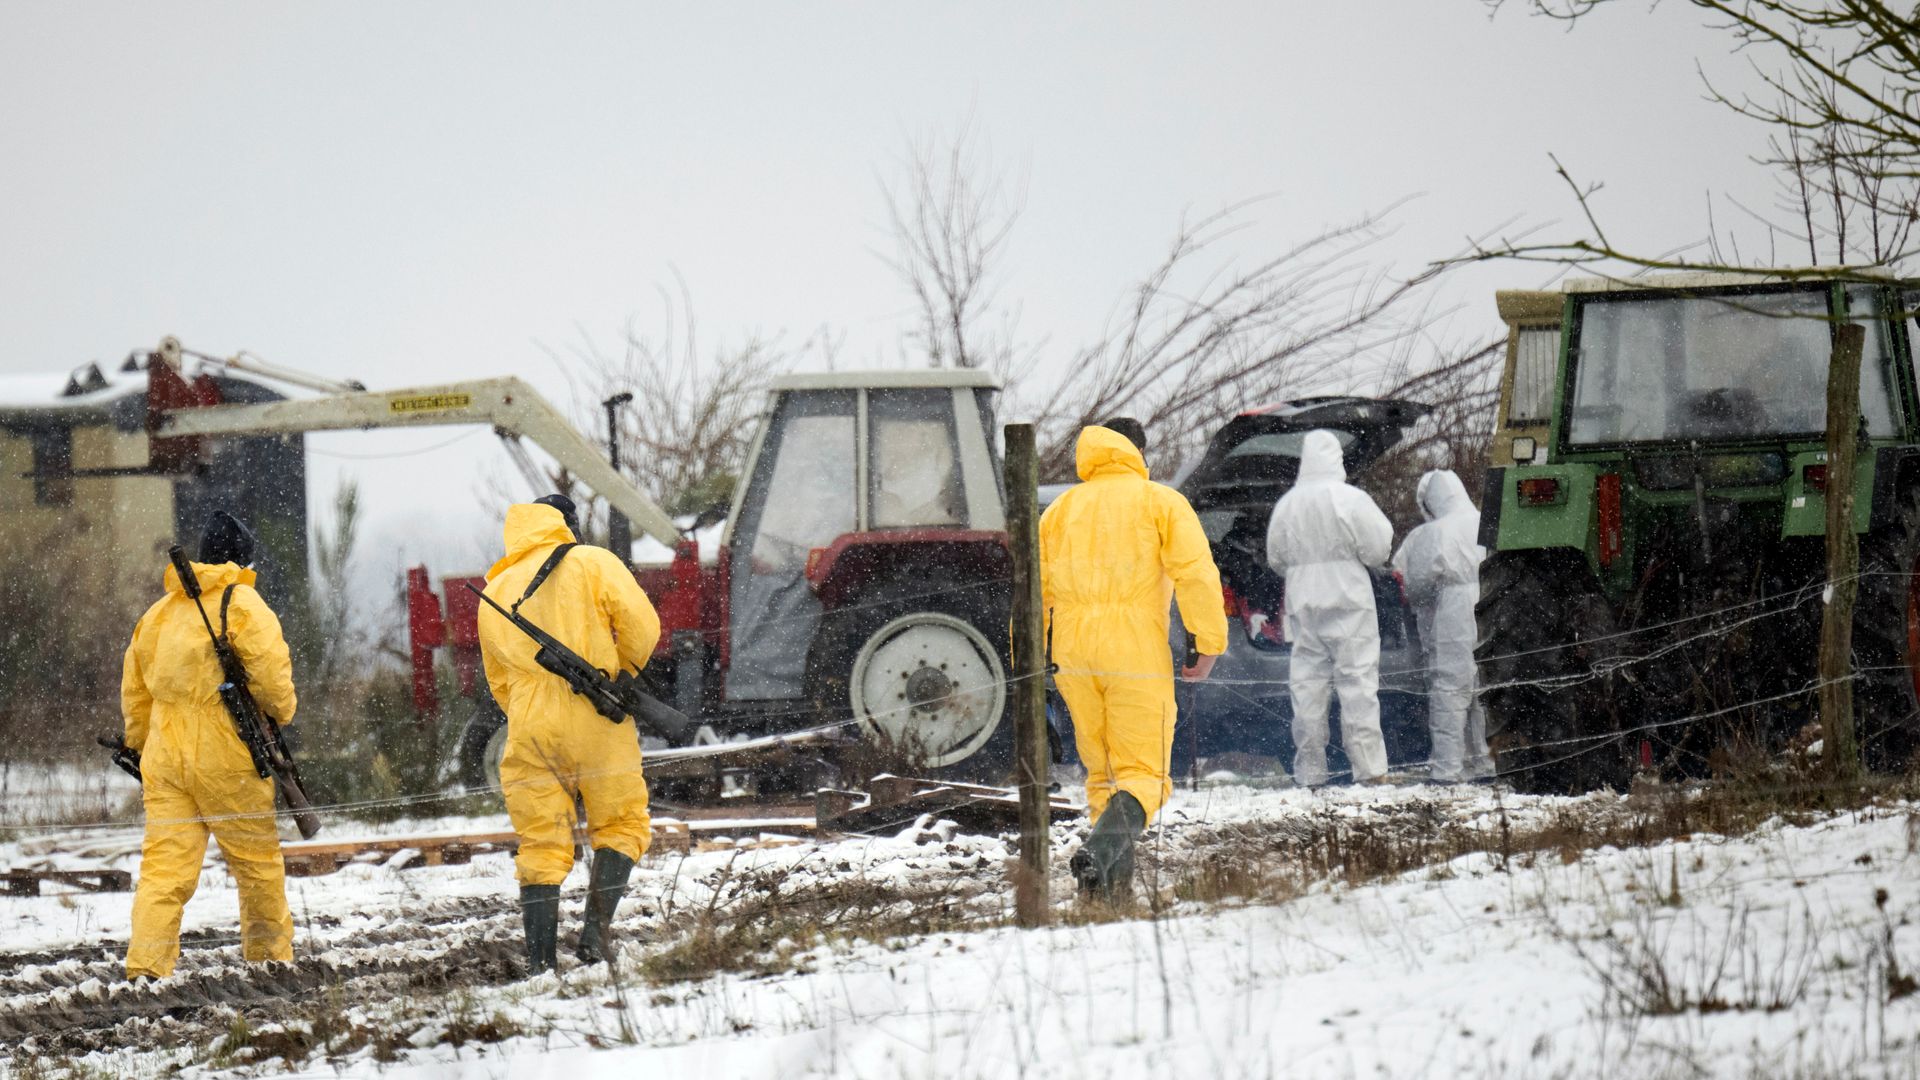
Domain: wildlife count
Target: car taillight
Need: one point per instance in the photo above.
(1539, 491)
(1234, 607)
(1814, 477)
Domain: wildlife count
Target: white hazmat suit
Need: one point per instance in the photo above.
(1440, 562)
(1323, 536)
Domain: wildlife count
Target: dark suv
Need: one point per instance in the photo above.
(1248, 465)
(1243, 707)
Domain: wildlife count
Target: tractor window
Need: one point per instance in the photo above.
(1535, 360)
(1869, 308)
(1709, 367)
(913, 474)
(800, 497)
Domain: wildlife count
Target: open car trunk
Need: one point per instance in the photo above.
(1253, 461)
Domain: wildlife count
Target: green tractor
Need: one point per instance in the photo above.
(1656, 572)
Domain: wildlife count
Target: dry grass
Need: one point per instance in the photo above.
(759, 923)
(1273, 861)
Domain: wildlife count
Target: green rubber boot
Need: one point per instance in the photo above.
(1104, 864)
(608, 885)
(540, 915)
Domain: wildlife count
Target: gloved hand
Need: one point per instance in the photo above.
(1201, 668)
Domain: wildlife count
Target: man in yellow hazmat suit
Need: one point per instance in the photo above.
(1115, 550)
(558, 747)
(197, 777)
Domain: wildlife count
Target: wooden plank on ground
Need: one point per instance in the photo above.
(307, 858)
(26, 882)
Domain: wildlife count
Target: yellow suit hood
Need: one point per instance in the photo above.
(1105, 452)
(213, 578)
(530, 526)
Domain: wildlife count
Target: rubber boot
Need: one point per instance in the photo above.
(540, 915)
(1104, 864)
(608, 885)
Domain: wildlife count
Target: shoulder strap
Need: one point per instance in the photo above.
(540, 577)
(226, 597)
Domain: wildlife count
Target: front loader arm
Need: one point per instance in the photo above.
(508, 405)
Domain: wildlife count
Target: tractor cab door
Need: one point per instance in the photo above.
(800, 496)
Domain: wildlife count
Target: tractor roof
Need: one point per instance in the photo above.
(887, 379)
(1702, 279)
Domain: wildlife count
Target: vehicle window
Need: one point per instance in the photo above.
(809, 493)
(913, 473)
(800, 497)
(1536, 358)
(1216, 523)
(1282, 444)
(1869, 308)
(1710, 367)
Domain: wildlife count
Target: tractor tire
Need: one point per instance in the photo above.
(918, 669)
(1886, 639)
(482, 744)
(1543, 626)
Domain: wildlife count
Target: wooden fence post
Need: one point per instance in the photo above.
(1842, 751)
(1029, 674)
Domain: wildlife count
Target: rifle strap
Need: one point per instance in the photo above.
(540, 576)
(226, 597)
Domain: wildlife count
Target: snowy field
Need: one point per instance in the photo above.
(1789, 950)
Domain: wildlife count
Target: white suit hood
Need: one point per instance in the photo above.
(1325, 533)
(1441, 493)
(1320, 459)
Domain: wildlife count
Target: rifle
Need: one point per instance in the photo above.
(615, 697)
(123, 755)
(265, 742)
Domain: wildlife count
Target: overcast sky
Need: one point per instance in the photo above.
(416, 193)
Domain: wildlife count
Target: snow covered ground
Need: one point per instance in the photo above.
(1785, 951)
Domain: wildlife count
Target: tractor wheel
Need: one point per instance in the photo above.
(1886, 639)
(1543, 623)
(482, 745)
(920, 673)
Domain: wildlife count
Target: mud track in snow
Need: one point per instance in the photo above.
(77, 1001)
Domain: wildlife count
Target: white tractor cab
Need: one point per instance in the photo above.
(865, 569)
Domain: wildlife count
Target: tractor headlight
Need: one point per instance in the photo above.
(1523, 449)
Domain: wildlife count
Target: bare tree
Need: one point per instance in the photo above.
(1844, 105)
(1847, 202)
(952, 212)
(1196, 343)
(684, 436)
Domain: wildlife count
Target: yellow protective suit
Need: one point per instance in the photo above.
(198, 777)
(557, 746)
(1114, 552)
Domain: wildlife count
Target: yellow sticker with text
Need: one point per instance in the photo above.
(429, 403)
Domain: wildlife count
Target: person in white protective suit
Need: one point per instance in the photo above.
(1323, 536)
(1440, 563)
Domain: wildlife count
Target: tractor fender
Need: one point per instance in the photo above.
(839, 572)
(1568, 521)
(1895, 469)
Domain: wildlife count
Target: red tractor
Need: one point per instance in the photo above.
(856, 596)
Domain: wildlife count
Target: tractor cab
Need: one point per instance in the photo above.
(1661, 550)
(1520, 427)
(866, 564)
